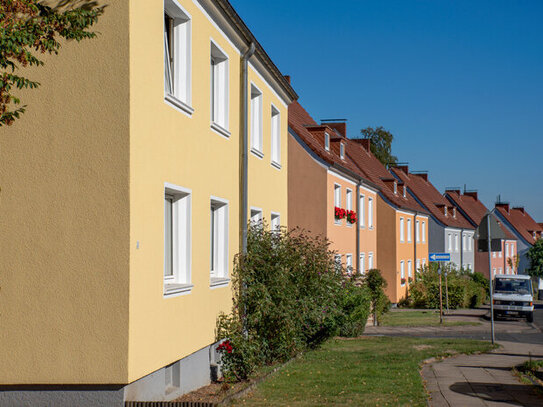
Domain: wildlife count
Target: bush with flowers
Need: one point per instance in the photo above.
(339, 213)
(289, 295)
(351, 217)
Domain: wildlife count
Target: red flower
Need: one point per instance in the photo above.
(351, 217)
(339, 213)
(225, 346)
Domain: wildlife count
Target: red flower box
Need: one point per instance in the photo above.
(351, 217)
(339, 213)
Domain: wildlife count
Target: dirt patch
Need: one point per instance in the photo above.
(422, 347)
(213, 393)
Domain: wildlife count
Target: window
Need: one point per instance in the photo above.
(370, 261)
(456, 242)
(423, 262)
(409, 239)
(275, 221)
(362, 210)
(256, 216)
(337, 259)
(402, 231)
(450, 242)
(507, 250)
(219, 240)
(464, 243)
(219, 89)
(395, 188)
(494, 271)
(423, 232)
(349, 199)
(445, 210)
(177, 240)
(349, 263)
(275, 136)
(410, 269)
(342, 150)
(256, 120)
(370, 212)
(500, 253)
(402, 272)
(417, 231)
(494, 254)
(337, 195)
(417, 265)
(404, 191)
(326, 141)
(500, 270)
(177, 55)
(362, 263)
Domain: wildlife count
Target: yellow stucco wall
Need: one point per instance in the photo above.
(169, 146)
(64, 216)
(341, 234)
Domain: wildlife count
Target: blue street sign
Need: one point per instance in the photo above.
(440, 257)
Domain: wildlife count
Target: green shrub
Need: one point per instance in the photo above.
(465, 289)
(376, 284)
(289, 295)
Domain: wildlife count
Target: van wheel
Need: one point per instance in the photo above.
(530, 317)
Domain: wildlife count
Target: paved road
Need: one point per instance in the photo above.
(480, 380)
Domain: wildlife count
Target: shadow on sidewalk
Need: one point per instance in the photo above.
(500, 393)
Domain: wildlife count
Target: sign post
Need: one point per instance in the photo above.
(446, 292)
(440, 296)
(490, 235)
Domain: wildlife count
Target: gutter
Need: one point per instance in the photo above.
(244, 143)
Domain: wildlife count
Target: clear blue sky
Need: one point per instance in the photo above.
(459, 83)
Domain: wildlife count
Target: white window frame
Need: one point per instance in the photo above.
(178, 67)
(337, 259)
(409, 269)
(362, 210)
(417, 231)
(349, 263)
(257, 215)
(409, 230)
(362, 263)
(275, 137)
(219, 237)
(500, 254)
(342, 151)
(402, 230)
(370, 261)
(349, 199)
(402, 272)
(275, 221)
(179, 281)
(256, 125)
(507, 250)
(219, 85)
(327, 141)
(449, 246)
(423, 232)
(370, 212)
(417, 265)
(456, 241)
(464, 242)
(337, 200)
(494, 255)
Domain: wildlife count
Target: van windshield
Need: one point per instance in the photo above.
(507, 285)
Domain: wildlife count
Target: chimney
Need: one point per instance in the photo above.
(364, 142)
(503, 205)
(473, 194)
(520, 209)
(423, 175)
(340, 127)
(403, 167)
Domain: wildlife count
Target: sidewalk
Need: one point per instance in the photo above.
(482, 380)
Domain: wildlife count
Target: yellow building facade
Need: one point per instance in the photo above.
(135, 161)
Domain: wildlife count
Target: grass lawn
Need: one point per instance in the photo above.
(419, 318)
(368, 371)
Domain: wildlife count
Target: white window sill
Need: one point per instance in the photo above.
(218, 282)
(221, 130)
(258, 153)
(173, 289)
(179, 104)
(337, 223)
(276, 165)
(371, 227)
(362, 227)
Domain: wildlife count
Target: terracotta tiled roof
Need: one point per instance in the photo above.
(474, 209)
(523, 223)
(431, 198)
(357, 159)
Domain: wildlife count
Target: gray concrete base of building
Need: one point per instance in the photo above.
(168, 383)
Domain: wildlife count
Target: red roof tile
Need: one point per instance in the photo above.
(432, 199)
(523, 223)
(474, 209)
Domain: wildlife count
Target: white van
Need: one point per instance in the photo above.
(513, 295)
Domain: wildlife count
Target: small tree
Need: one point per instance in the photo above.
(513, 262)
(29, 28)
(381, 144)
(379, 301)
(535, 254)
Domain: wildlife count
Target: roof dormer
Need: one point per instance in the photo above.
(405, 191)
(326, 141)
(443, 208)
(454, 212)
(392, 184)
